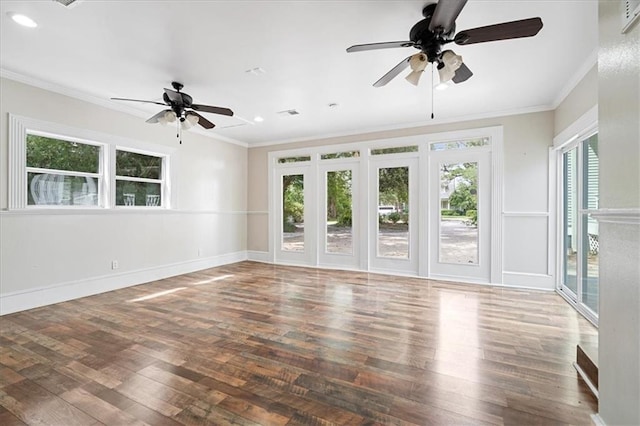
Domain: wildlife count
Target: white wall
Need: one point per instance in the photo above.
(619, 215)
(527, 138)
(51, 256)
(582, 97)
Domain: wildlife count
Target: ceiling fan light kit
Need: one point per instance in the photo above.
(168, 117)
(418, 63)
(448, 66)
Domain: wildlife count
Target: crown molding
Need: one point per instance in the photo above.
(371, 132)
(95, 100)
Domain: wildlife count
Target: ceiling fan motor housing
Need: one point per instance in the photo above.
(178, 107)
(428, 41)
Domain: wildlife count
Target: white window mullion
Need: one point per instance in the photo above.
(137, 179)
(61, 172)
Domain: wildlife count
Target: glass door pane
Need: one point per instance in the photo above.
(581, 246)
(393, 215)
(393, 212)
(293, 213)
(570, 220)
(590, 243)
(458, 213)
(339, 218)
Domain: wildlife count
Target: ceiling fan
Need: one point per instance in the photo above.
(437, 29)
(181, 108)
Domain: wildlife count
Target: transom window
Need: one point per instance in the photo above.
(394, 150)
(460, 144)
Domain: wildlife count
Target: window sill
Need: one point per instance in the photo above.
(55, 211)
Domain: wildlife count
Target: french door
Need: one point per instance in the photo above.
(393, 215)
(294, 243)
(339, 215)
(580, 246)
(460, 215)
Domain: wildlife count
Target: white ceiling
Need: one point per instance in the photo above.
(103, 49)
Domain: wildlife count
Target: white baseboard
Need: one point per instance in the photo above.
(258, 256)
(42, 296)
(528, 280)
(597, 420)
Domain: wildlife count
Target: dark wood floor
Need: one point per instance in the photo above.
(252, 343)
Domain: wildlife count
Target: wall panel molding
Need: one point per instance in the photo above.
(620, 216)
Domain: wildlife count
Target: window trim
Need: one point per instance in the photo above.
(20, 126)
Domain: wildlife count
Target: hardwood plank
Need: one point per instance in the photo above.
(34, 405)
(131, 407)
(8, 377)
(100, 409)
(8, 419)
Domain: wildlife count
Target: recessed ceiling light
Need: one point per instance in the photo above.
(442, 86)
(258, 119)
(256, 71)
(289, 112)
(23, 20)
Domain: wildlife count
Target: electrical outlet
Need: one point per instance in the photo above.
(199, 252)
(114, 264)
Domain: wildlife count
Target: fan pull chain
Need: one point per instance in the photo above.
(432, 116)
(179, 134)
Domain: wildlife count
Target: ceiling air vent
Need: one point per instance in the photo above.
(68, 3)
(232, 125)
(288, 112)
(630, 13)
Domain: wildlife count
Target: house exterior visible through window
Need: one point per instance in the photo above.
(140, 179)
(63, 172)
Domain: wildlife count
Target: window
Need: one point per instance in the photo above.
(139, 179)
(394, 150)
(62, 172)
(334, 155)
(55, 166)
(293, 159)
(462, 144)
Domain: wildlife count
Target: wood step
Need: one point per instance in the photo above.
(587, 365)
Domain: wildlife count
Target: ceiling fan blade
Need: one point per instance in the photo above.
(462, 74)
(393, 72)
(138, 100)
(213, 109)
(504, 31)
(444, 17)
(376, 46)
(175, 97)
(202, 121)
